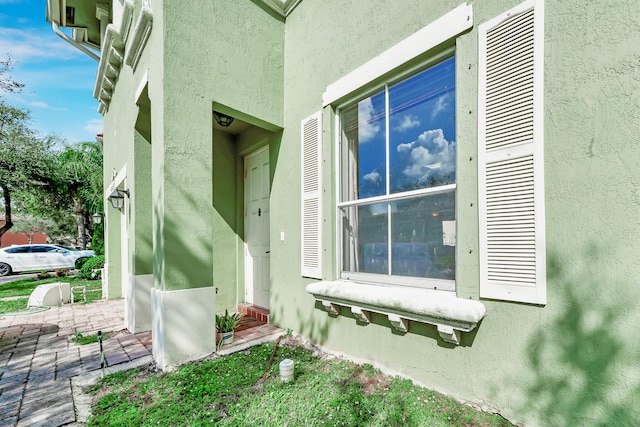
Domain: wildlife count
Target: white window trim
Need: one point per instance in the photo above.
(439, 31)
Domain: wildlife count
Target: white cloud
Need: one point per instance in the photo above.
(429, 153)
(408, 122)
(373, 177)
(29, 45)
(367, 128)
(404, 148)
(94, 126)
(442, 103)
(38, 104)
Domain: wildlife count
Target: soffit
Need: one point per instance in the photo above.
(79, 15)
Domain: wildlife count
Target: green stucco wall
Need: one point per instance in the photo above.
(122, 155)
(572, 362)
(182, 225)
(226, 225)
(196, 74)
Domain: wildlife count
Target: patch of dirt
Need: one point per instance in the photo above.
(142, 376)
(295, 341)
(371, 384)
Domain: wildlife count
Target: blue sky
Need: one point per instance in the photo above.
(58, 78)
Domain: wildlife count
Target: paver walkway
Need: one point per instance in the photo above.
(37, 360)
(41, 370)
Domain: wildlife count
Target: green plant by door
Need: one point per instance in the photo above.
(227, 322)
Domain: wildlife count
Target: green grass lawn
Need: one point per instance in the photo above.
(82, 339)
(10, 306)
(24, 287)
(229, 391)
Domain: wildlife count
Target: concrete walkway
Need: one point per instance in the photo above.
(42, 372)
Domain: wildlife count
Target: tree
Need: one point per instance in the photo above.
(22, 154)
(80, 180)
(47, 182)
(26, 159)
(75, 191)
(7, 84)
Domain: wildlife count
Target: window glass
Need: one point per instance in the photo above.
(419, 246)
(366, 238)
(409, 230)
(18, 250)
(40, 248)
(422, 129)
(364, 131)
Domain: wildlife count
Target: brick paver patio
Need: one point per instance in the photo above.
(38, 361)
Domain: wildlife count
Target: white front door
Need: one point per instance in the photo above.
(256, 227)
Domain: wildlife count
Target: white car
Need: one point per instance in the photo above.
(19, 258)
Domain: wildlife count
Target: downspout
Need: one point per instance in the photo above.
(56, 29)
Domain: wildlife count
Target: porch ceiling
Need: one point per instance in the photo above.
(236, 127)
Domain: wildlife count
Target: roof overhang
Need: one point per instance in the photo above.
(79, 16)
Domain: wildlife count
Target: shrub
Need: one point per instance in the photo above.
(97, 240)
(62, 273)
(80, 262)
(43, 275)
(91, 264)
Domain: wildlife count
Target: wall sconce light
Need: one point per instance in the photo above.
(222, 119)
(97, 217)
(117, 198)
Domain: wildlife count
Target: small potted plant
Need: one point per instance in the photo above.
(225, 326)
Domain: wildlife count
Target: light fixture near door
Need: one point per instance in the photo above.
(117, 198)
(222, 119)
(97, 217)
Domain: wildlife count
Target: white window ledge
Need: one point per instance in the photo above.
(450, 314)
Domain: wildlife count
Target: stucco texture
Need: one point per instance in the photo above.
(571, 362)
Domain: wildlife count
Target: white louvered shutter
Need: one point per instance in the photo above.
(510, 156)
(311, 196)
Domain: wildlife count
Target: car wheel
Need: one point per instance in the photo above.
(79, 262)
(5, 269)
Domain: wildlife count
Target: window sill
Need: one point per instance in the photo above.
(450, 314)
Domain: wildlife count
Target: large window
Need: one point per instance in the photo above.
(398, 182)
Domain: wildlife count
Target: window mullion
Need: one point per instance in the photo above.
(395, 197)
(388, 175)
